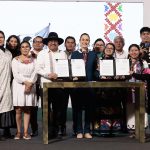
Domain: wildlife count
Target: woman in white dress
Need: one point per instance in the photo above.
(24, 97)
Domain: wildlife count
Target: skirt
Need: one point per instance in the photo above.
(8, 119)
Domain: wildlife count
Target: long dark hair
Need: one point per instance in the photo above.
(2, 46)
(139, 58)
(14, 51)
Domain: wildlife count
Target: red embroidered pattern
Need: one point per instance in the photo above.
(113, 21)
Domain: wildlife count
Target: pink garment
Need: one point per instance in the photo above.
(146, 71)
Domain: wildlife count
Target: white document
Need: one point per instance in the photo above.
(122, 66)
(78, 68)
(62, 68)
(106, 68)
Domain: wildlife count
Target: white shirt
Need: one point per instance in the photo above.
(43, 64)
(121, 55)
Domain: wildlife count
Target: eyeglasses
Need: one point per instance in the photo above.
(109, 48)
(37, 41)
(99, 45)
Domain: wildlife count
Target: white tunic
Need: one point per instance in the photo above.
(6, 103)
(23, 72)
(45, 60)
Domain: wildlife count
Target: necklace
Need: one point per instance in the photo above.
(26, 60)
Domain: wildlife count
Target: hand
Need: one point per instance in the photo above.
(103, 77)
(142, 50)
(27, 89)
(75, 78)
(53, 76)
(116, 77)
(131, 72)
(122, 77)
(27, 83)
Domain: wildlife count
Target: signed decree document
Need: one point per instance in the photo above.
(62, 68)
(106, 67)
(78, 68)
(122, 67)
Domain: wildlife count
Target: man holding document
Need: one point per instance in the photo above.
(46, 68)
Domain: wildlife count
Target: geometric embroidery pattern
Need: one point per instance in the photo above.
(113, 21)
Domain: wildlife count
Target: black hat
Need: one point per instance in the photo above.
(53, 36)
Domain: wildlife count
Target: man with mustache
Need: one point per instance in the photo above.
(46, 63)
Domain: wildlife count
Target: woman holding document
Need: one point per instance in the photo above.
(84, 97)
(137, 65)
(107, 100)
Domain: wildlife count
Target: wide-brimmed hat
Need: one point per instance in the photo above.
(53, 36)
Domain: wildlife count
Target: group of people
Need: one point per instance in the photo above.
(23, 70)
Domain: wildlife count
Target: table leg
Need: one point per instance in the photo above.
(45, 115)
(142, 114)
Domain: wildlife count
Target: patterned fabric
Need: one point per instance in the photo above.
(6, 103)
(137, 67)
(113, 21)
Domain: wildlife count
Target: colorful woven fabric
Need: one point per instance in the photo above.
(113, 21)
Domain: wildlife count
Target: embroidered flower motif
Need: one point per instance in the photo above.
(27, 61)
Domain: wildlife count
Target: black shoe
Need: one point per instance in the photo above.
(35, 133)
(7, 135)
(63, 131)
(2, 138)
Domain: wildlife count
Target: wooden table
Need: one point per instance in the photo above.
(139, 103)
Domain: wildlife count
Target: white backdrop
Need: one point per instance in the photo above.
(67, 18)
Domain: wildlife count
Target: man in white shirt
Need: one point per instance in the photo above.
(46, 62)
(119, 43)
(37, 47)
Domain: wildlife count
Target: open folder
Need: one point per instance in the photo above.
(115, 67)
(70, 68)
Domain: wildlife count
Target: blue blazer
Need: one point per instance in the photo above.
(91, 63)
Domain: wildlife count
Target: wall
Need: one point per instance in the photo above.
(146, 20)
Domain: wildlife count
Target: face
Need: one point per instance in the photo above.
(53, 45)
(84, 42)
(38, 44)
(70, 45)
(145, 37)
(109, 50)
(13, 43)
(118, 44)
(99, 46)
(25, 48)
(2, 40)
(134, 52)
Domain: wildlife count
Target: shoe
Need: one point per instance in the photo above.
(7, 134)
(35, 133)
(88, 136)
(74, 134)
(26, 136)
(79, 136)
(63, 131)
(2, 138)
(132, 136)
(17, 136)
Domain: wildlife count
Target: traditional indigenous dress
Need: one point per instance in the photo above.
(137, 68)
(23, 71)
(6, 103)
